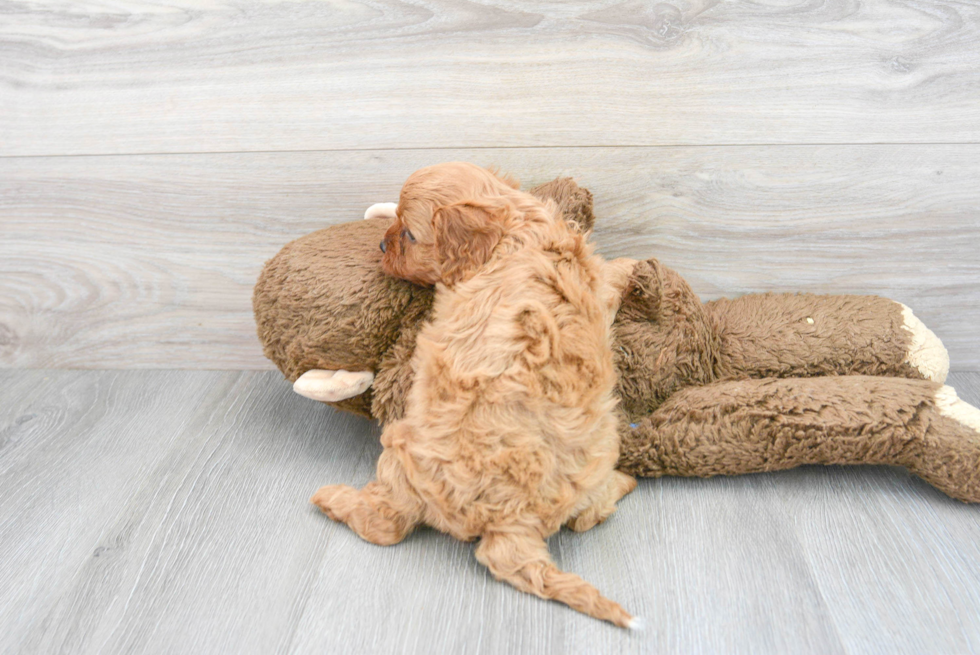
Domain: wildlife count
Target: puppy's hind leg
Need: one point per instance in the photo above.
(522, 559)
(618, 485)
(383, 512)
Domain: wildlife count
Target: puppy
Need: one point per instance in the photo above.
(509, 431)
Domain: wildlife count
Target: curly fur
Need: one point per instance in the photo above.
(510, 430)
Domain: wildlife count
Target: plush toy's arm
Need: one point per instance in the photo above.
(796, 335)
(666, 339)
(395, 376)
(749, 426)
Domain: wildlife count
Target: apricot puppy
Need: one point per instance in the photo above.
(509, 430)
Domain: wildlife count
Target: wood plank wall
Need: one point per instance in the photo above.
(154, 154)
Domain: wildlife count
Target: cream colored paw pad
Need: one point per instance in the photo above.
(950, 405)
(332, 386)
(926, 352)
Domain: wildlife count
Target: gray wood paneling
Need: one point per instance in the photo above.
(149, 261)
(183, 76)
(166, 511)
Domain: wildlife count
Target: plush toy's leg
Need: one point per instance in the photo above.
(383, 512)
(619, 484)
(381, 210)
(729, 428)
(522, 559)
(802, 335)
(332, 386)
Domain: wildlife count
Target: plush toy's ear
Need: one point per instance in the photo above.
(574, 201)
(465, 235)
(642, 295)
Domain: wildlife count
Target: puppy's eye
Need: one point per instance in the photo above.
(411, 237)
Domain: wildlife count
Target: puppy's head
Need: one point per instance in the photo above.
(449, 219)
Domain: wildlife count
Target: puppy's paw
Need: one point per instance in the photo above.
(585, 521)
(624, 483)
(381, 210)
(618, 485)
(332, 386)
(335, 500)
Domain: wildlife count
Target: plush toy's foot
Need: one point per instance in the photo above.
(381, 210)
(332, 386)
(926, 353)
(951, 406)
(949, 456)
(618, 486)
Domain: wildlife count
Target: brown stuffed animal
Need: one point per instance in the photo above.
(759, 383)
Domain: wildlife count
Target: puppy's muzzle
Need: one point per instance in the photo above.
(384, 248)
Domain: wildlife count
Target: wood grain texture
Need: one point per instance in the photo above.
(92, 77)
(166, 511)
(149, 261)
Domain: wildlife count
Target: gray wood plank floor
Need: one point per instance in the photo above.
(166, 512)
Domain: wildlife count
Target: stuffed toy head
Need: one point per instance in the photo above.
(325, 303)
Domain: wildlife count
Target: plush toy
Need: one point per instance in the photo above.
(758, 383)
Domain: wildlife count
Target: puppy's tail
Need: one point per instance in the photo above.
(523, 561)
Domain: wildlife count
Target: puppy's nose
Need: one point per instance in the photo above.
(384, 248)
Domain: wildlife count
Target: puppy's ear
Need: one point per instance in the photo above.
(465, 235)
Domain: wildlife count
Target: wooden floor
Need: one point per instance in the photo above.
(153, 155)
(166, 512)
